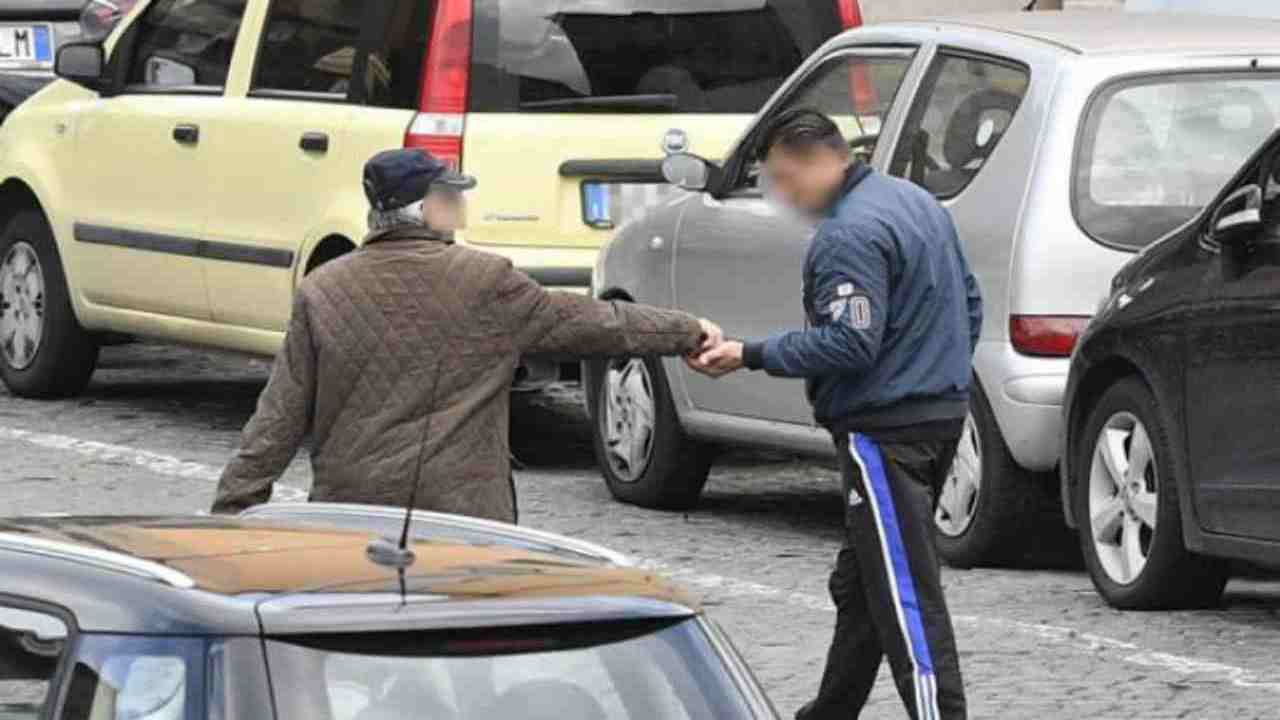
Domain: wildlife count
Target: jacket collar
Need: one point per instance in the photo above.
(853, 176)
(408, 232)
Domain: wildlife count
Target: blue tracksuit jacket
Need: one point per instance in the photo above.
(894, 311)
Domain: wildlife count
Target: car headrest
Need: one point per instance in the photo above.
(976, 126)
(673, 80)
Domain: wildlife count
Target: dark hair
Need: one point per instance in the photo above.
(801, 129)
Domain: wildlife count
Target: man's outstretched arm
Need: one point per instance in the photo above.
(275, 432)
(546, 321)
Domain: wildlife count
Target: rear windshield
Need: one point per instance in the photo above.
(1155, 151)
(681, 56)
(600, 672)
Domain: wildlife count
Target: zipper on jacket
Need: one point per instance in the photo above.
(813, 419)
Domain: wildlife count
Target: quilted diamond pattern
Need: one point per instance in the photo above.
(399, 360)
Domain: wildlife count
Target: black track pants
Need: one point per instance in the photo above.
(887, 586)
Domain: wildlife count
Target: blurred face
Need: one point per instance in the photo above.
(806, 179)
(445, 210)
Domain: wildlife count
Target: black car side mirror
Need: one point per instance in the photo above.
(82, 63)
(1240, 215)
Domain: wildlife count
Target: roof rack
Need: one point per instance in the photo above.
(104, 559)
(498, 531)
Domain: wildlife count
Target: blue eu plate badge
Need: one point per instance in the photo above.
(596, 206)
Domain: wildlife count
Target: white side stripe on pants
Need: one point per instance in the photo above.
(926, 688)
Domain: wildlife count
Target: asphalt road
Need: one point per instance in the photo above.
(152, 431)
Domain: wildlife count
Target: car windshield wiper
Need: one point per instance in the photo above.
(606, 103)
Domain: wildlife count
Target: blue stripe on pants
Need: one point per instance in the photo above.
(869, 459)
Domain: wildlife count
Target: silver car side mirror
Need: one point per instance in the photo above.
(686, 171)
(1240, 212)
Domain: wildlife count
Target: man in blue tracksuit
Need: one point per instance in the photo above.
(894, 315)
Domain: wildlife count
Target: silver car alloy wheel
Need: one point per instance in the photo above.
(21, 305)
(630, 416)
(1123, 497)
(958, 502)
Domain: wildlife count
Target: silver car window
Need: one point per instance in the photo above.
(137, 678)
(31, 646)
(856, 89)
(963, 109)
(548, 673)
(1155, 151)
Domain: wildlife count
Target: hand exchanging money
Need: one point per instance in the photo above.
(716, 357)
(712, 336)
(718, 361)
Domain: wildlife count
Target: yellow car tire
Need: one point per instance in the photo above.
(44, 352)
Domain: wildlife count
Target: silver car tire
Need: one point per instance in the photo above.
(988, 503)
(1127, 508)
(958, 499)
(44, 352)
(644, 455)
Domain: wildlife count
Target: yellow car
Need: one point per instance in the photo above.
(185, 174)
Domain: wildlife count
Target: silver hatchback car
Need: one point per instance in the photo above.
(1062, 143)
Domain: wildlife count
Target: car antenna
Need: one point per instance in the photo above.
(383, 551)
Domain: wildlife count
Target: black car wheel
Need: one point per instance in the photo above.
(643, 453)
(44, 353)
(1130, 529)
(988, 502)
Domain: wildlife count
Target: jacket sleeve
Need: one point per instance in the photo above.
(275, 432)
(546, 321)
(849, 286)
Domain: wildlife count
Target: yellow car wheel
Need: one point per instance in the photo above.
(44, 353)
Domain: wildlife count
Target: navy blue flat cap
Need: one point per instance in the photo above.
(396, 178)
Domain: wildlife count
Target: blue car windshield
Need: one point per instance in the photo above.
(583, 672)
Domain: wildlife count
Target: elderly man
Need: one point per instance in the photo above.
(400, 357)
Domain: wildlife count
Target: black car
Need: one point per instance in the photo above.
(1171, 463)
(187, 618)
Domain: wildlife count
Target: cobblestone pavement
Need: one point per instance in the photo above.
(152, 431)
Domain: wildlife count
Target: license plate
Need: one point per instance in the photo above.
(606, 206)
(26, 46)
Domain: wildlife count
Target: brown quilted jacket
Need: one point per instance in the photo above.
(402, 355)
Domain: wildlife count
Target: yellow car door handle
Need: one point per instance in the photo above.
(316, 142)
(186, 134)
